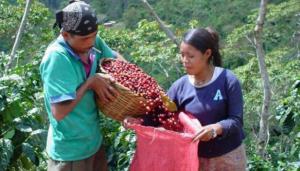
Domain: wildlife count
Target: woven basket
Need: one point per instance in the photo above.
(126, 104)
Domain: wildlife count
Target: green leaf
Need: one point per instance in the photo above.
(37, 138)
(28, 150)
(6, 153)
(26, 163)
(11, 111)
(22, 125)
(9, 134)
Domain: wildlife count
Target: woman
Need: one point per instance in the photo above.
(213, 94)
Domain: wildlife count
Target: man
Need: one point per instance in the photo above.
(68, 71)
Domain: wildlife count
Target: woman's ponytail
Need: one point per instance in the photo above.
(216, 56)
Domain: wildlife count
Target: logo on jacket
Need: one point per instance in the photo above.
(218, 95)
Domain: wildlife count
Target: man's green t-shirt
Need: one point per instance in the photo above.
(77, 136)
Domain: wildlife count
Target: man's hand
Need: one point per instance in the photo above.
(102, 85)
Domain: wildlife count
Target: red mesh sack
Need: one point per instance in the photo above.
(158, 149)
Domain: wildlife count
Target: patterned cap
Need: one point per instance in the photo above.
(77, 18)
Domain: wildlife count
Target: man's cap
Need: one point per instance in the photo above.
(77, 18)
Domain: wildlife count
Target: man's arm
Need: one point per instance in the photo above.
(97, 83)
(119, 56)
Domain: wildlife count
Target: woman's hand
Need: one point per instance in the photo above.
(208, 132)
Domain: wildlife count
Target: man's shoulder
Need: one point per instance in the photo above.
(98, 38)
(99, 43)
(55, 47)
(54, 50)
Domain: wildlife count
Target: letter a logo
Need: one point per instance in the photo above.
(218, 95)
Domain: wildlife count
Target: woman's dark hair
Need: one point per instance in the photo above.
(71, 1)
(203, 39)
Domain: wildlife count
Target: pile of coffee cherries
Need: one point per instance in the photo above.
(134, 78)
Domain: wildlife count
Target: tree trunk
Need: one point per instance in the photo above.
(125, 4)
(263, 135)
(18, 37)
(168, 32)
(115, 9)
(53, 4)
